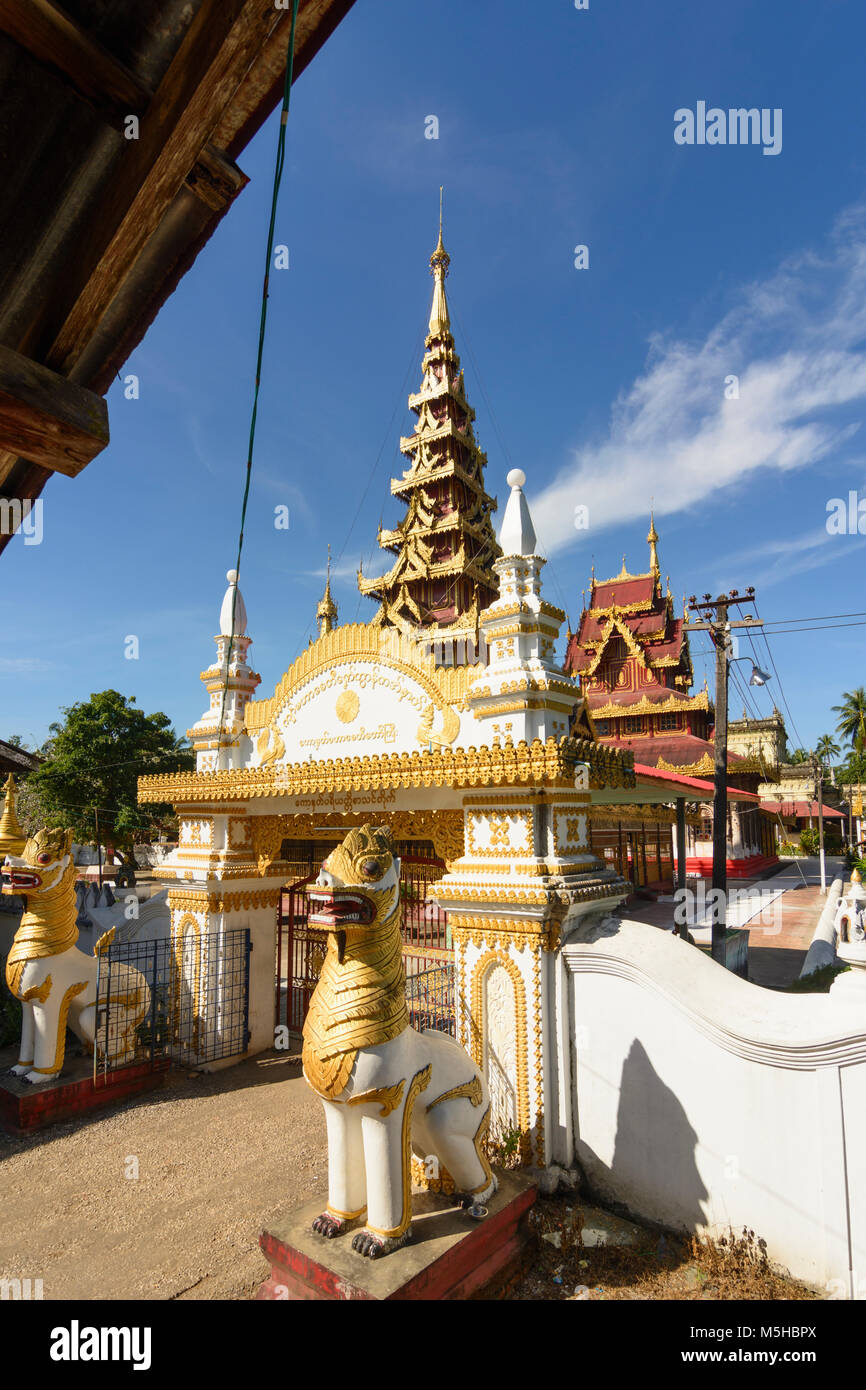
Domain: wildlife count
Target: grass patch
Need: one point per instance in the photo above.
(818, 982)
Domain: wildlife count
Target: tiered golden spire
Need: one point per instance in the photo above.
(326, 612)
(652, 542)
(439, 262)
(445, 545)
(12, 837)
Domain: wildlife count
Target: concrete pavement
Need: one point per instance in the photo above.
(780, 912)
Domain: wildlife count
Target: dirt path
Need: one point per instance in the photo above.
(218, 1156)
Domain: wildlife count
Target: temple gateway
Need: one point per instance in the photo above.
(445, 717)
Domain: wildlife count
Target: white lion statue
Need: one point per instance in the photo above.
(386, 1088)
(56, 982)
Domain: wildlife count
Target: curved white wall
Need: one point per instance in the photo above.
(700, 1100)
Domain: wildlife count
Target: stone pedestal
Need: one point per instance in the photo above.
(451, 1256)
(24, 1107)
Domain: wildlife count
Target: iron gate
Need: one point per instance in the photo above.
(186, 1000)
(427, 955)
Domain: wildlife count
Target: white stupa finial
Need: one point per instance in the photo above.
(517, 536)
(240, 626)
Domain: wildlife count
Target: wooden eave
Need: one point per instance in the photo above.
(96, 230)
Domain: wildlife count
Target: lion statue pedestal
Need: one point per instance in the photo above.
(386, 1088)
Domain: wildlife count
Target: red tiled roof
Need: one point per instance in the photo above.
(654, 622)
(799, 808)
(624, 591)
(679, 749)
(680, 780)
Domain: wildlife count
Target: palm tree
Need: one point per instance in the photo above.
(852, 716)
(828, 749)
(800, 755)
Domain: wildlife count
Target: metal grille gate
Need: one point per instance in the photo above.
(427, 954)
(185, 1000)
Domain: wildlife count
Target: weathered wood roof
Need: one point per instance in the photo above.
(96, 229)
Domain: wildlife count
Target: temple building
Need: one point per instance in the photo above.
(631, 656)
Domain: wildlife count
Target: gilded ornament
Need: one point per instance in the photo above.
(347, 706)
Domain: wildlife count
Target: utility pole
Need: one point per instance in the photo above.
(719, 628)
(817, 772)
(98, 844)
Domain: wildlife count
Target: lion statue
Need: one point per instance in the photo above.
(386, 1088)
(56, 982)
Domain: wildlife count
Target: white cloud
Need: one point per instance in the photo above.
(796, 344)
(24, 665)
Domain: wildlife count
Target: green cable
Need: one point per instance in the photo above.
(278, 174)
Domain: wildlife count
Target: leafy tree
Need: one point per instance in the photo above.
(827, 749)
(853, 769)
(28, 806)
(800, 755)
(93, 762)
(852, 717)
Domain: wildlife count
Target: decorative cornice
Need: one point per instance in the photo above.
(552, 763)
(704, 764)
(675, 704)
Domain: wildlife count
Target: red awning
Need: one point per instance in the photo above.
(801, 809)
(677, 779)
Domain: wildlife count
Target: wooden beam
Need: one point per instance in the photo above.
(54, 39)
(218, 48)
(215, 179)
(46, 419)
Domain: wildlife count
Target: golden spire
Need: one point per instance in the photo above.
(652, 542)
(440, 323)
(12, 837)
(326, 612)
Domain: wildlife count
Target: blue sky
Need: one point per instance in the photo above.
(606, 385)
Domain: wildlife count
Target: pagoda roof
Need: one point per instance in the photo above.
(634, 606)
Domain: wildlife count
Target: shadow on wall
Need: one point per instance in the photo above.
(654, 1150)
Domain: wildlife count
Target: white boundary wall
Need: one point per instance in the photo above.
(702, 1101)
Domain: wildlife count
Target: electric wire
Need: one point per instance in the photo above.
(263, 318)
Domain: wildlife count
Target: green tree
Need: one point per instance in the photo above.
(93, 762)
(800, 755)
(853, 769)
(852, 717)
(827, 749)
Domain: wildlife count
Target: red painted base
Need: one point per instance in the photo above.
(450, 1255)
(24, 1107)
(702, 867)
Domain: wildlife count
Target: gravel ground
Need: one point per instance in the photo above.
(222, 1155)
(218, 1155)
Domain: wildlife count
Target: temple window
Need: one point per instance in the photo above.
(669, 721)
(633, 724)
